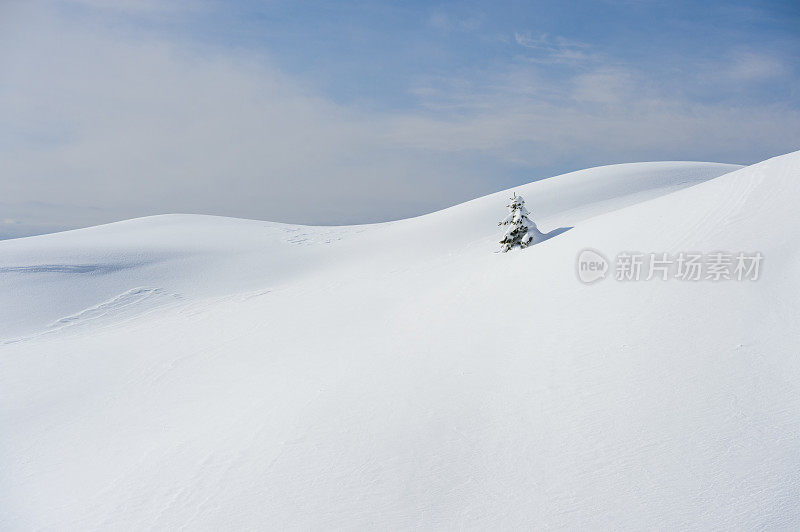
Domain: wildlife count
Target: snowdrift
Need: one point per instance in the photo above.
(204, 372)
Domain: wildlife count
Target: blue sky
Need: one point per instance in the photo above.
(376, 53)
(370, 110)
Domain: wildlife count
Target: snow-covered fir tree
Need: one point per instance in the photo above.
(522, 232)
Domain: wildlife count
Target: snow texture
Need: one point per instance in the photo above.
(210, 373)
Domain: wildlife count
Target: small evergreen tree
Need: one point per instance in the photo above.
(522, 232)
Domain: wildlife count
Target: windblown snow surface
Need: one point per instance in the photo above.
(211, 373)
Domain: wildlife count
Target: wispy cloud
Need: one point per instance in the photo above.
(547, 49)
(446, 21)
(136, 6)
(526, 117)
(751, 66)
(606, 85)
(158, 126)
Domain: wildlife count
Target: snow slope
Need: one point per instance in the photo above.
(207, 373)
(57, 276)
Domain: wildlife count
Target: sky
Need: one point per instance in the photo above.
(324, 112)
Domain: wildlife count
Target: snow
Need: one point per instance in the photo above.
(205, 373)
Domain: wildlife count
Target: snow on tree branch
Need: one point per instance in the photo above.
(522, 231)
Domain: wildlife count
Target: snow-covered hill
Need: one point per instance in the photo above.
(56, 277)
(207, 373)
